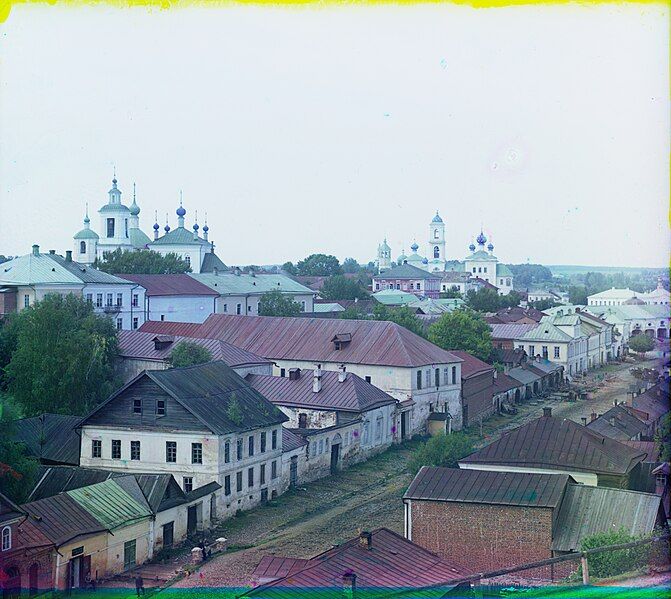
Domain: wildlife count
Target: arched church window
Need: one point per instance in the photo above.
(435, 234)
(436, 252)
(508, 282)
(82, 247)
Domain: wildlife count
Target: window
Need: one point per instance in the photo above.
(108, 299)
(508, 282)
(238, 481)
(500, 281)
(544, 351)
(273, 469)
(119, 324)
(136, 300)
(239, 449)
(99, 300)
(119, 299)
(96, 448)
(134, 450)
(321, 446)
(249, 308)
(227, 452)
(160, 407)
(116, 449)
(283, 372)
(250, 445)
(82, 247)
(303, 306)
(479, 269)
(89, 298)
(302, 421)
(227, 485)
(196, 453)
(262, 474)
(263, 442)
(187, 259)
(171, 451)
(532, 351)
(474, 269)
(137, 406)
(110, 227)
(238, 308)
(250, 477)
(454, 375)
(225, 307)
(188, 484)
(520, 346)
(368, 379)
(6, 538)
(125, 226)
(274, 440)
(419, 379)
(484, 269)
(136, 322)
(437, 377)
(435, 234)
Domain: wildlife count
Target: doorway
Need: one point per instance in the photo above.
(335, 456)
(293, 472)
(129, 554)
(168, 534)
(12, 584)
(191, 520)
(404, 425)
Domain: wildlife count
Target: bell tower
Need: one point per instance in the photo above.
(436, 239)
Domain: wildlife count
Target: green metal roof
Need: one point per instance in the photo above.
(110, 504)
(503, 271)
(115, 208)
(242, 284)
(138, 238)
(546, 331)
(87, 234)
(334, 307)
(481, 256)
(34, 270)
(407, 271)
(179, 236)
(391, 297)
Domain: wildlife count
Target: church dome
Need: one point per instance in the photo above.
(195, 226)
(181, 211)
(156, 227)
(472, 247)
(414, 247)
(437, 219)
(490, 247)
(87, 234)
(206, 228)
(425, 261)
(481, 239)
(134, 208)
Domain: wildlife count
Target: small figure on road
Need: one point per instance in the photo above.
(139, 585)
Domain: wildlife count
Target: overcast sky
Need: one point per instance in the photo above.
(305, 130)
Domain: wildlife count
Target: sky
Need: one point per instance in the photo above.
(328, 129)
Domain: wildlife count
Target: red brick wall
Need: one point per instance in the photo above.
(482, 537)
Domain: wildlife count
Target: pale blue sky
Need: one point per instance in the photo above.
(328, 129)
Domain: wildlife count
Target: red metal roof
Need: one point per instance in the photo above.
(471, 365)
(392, 562)
(310, 339)
(351, 395)
(503, 382)
(291, 440)
(140, 346)
(162, 285)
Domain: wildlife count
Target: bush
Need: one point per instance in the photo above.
(641, 343)
(441, 450)
(613, 563)
(189, 353)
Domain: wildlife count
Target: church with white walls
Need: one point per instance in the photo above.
(481, 263)
(119, 228)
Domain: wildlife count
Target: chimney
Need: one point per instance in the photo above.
(294, 374)
(365, 540)
(36, 250)
(584, 421)
(349, 584)
(215, 270)
(237, 271)
(52, 252)
(68, 256)
(342, 373)
(592, 416)
(496, 374)
(547, 412)
(317, 380)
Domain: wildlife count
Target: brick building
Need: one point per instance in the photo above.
(477, 388)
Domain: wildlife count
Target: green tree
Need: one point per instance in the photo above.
(143, 262)
(451, 293)
(275, 303)
(511, 300)
(641, 343)
(464, 330)
(64, 357)
(18, 469)
(663, 438)
(319, 265)
(441, 450)
(613, 563)
(189, 353)
(289, 268)
(339, 287)
(234, 411)
(7, 346)
(526, 275)
(350, 265)
(353, 312)
(577, 295)
(401, 315)
(483, 300)
(543, 304)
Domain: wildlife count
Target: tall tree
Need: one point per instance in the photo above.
(577, 295)
(402, 316)
(289, 268)
(340, 287)
(350, 265)
(483, 300)
(275, 303)
(319, 265)
(64, 357)
(7, 345)
(143, 262)
(464, 330)
(189, 353)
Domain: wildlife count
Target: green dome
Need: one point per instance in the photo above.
(86, 234)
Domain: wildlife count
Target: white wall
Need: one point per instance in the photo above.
(192, 308)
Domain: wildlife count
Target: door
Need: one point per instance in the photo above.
(264, 495)
(168, 534)
(12, 583)
(404, 425)
(293, 472)
(75, 566)
(335, 456)
(191, 521)
(213, 507)
(129, 555)
(33, 579)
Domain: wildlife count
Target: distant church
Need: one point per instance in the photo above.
(120, 229)
(481, 263)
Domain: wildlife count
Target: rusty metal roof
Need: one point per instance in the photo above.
(167, 285)
(291, 440)
(471, 365)
(618, 423)
(510, 330)
(655, 401)
(482, 486)
(52, 438)
(351, 395)
(310, 339)
(588, 510)
(560, 444)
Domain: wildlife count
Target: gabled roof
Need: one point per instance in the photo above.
(390, 297)
(654, 402)
(86, 274)
(140, 346)
(511, 331)
(503, 271)
(170, 285)
(9, 510)
(393, 563)
(212, 261)
(35, 270)
(618, 423)
(291, 440)
(310, 339)
(49, 437)
(351, 395)
(503, 383)
(407, 271)
(613, 294)
(179, 236)
(472, 366)
(481, 486)
(524, 375)
(228, 283)
(558, 444)
(546, 331)
(138, 238)
(588, 510)
(516, 313)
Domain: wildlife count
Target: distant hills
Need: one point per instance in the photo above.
(566, 270)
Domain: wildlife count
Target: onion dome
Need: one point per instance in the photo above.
(156, 227)
(166, 228)
(471, 247)
(490, 247)
(181, 211)
(414, 247)
(425, 260)
(481, 239)
(205, 228)
(134, 208)
(437, 219)
(195, 226)
(87, 220)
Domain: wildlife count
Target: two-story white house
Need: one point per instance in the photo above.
(423, 377)
(201, 424)
(28, 279)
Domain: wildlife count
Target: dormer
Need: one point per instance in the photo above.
(341, 340)
(162, 342)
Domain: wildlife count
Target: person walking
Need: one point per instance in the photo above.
(139, 585)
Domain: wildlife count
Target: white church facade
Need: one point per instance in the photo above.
(120, 229)
(480, 265)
